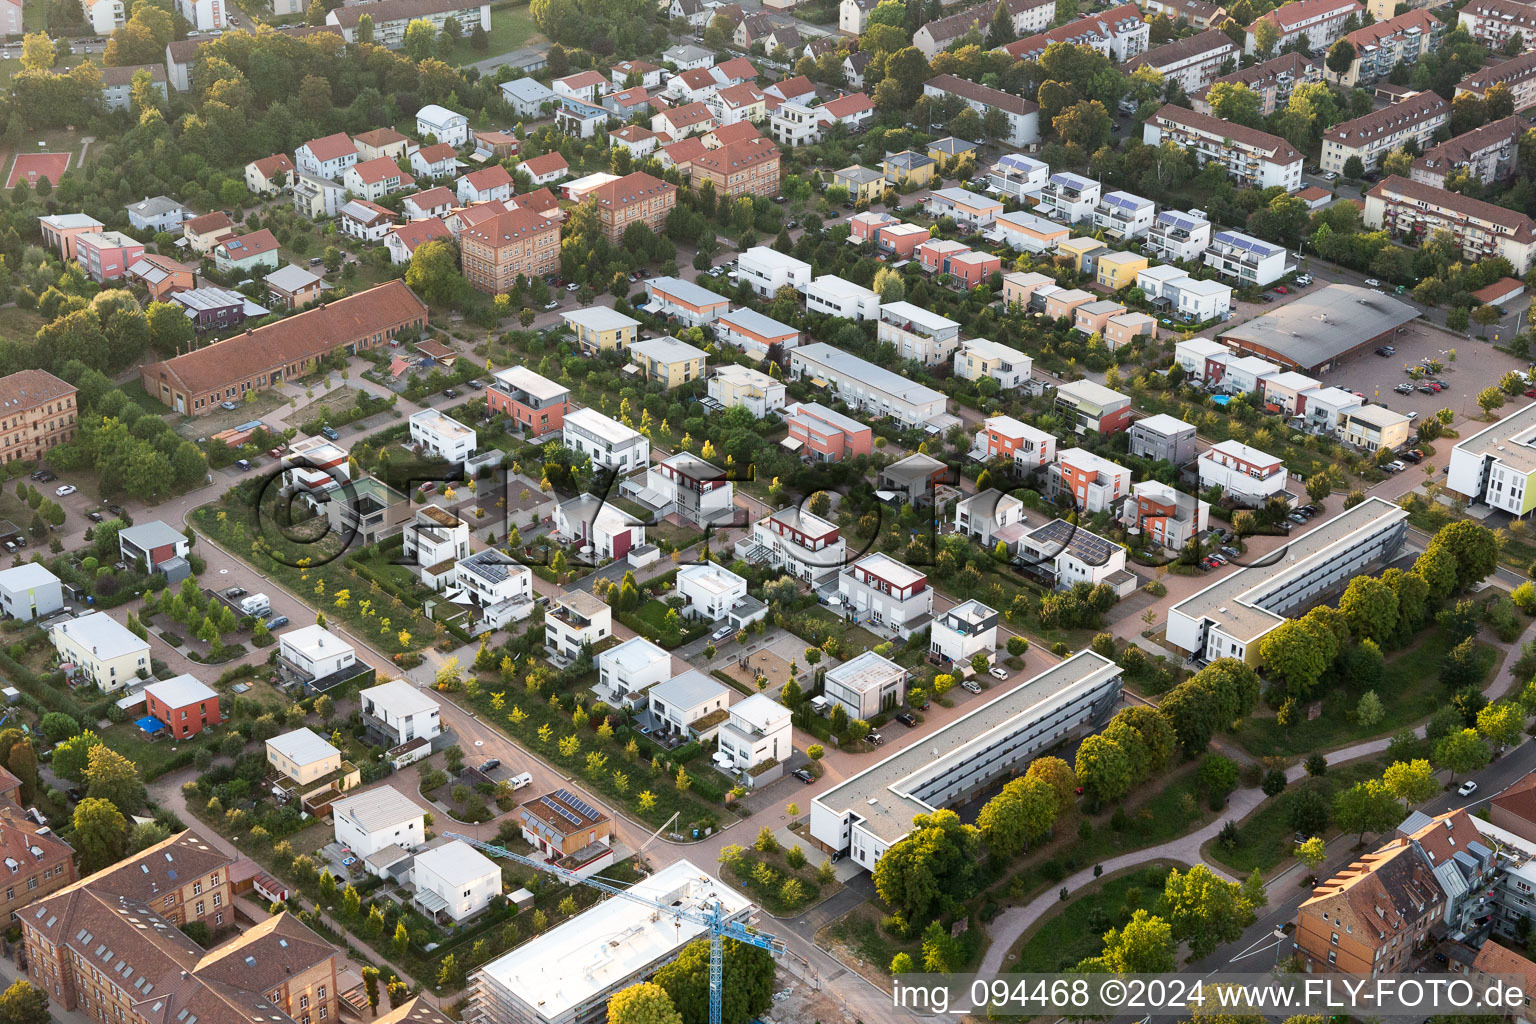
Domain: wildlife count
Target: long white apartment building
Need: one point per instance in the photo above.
(606, 441)
(886, 594)
(1252, 158)
(834, 296)
(868, 387)
(1251, 262)
(1228, 618)
(1413, 211)
(1069, 197)
(1016, 176)
(1123, 216)
(1315, 23)
(1245, 474)
(961, 633)
(1193, 62)
(1119, 33)
(917, 333)
(872, 811)
(1495, 467)
(568, 974)
(1094, 483)
(1179, 235)
(805, 546)
(767, 270)
(1413, 122)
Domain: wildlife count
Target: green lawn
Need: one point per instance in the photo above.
(511, 27)
(1410, 692)
(1266, 839)
(1076, 932)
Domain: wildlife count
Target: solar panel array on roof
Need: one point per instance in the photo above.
(1122, 201)
(1179, 220)
(555, 806)
(1082, 544)
(577, 802)
(1247, 244)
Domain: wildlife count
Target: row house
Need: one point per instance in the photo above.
(636, 198)
(1028, 448)
(831, 295)
(1018, 177)
(767, 270)
(1245, 474)
(1179, 235)
(1119, 33)
(900, 239)
(746, 168)
(735, 386)
(1089, 406)
(1252, 158)
(978, 358)
(1411, 211)
(1093, 317)
(1193, 62)
(1405, 39)
(1316, 24)
(1518, 75)
(1123, 217)
(1023, 115)
(805, 546)
(515, 244)
(820, 434)
(1193, 300)
(886, 594)
(1069, 197)
(969, 211)
(1411, 124)
(1273, 80)
(1164, 514)
(863, 385)
(684, 301)
(1091, 482)
(602, 329)
(917, 333)
(755, 334)
(865, 226)
(1493, 22)
(1487, 154)
(1025, 232)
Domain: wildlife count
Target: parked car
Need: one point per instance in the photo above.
(573, 286)
(329, 433)
(1396, 466)
(907, 719)
(244, 465)
(1371, 282)
(489, 765)
(997, 672)
(277, 623)
(94, 517)
(1467, 788)
(1303, 280)
(972, 685)
(234, 592)
(722, 632)
(65, 491)
(1281, 289)
(45, 477)
(803, 775)
(230, 406)
(1407, 389)
(450, 393)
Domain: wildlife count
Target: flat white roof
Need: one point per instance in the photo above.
(760, 712)
(180, 691)
(1029, 222)
(634, 654)
(764, 256)
(1198, 286)
(667, 350)
(599, 318)
(1165, 424)
(896, 573)
(737, 374)
(378, 809)
(686, 291)
(853, 368)
(839, 288)
(105, 636)
(303, 746)
(401, 698)
(536, 385)
(716, 579)
(1339, 399)
(831, 417)
(439, 423)
(314, 642)
(864, 672)
(751, 320)
(894, 312)
(688, 690)
(1165, 272)
(1377, 415)
(1202, 347)
(594, 422)
(1290, 379)
(611, 944)
(1088, 391)
(457, 863)
(1247, 453)
(25, 576)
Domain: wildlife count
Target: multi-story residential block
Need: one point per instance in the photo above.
(969, 211)
(886, 594)
(1251, 262)
(1023, 115)
(1492, 22)
(1093, 483)
(1193, 62)
(1163, 438)
(576, 619)
(1252, 158)
(1486, 154)
(398, 712)
(866, 685)
(754, 333)
(918, 334)
(803, 545)
(865, 386)
(1374, 427)
(979, 357)
(870, 812)
(746, 168)
(1119, 33)
(940, 34)
(824, 435)
(667, 361)
(1317, 24)
(1518, 75)
(1089, 406)
(442, 436)
(632, 666)
(835, 296)
(636, 198)
(608, 443)
(1024, 232)
(1412, 123)
(392, 17)
(102, 650)
(40, 412)
(516, 244)
(900, 239)
(106, 255)
(602, 328)
(1179, 235)
(1027, 447)
(1411, 211)
(1244, 474)
(1069, 197)
(1273, 80)
(535, 403)
(40, 862)
(734, 385)
(767, 270)
(1228, 618)
(1495, 466)
(60, 230)
(1166, 515)
(1017, 177)
(1123, 217)
(1405, 39)
(684, 301)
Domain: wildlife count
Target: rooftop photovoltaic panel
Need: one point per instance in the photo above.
(1073, 180)
(1082, 544)
(1249, 244)
(490, 564)
(577, 802)
(1121, 200)
(1179, 220)
(555, 806)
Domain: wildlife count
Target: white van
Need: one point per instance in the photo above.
(519, 781)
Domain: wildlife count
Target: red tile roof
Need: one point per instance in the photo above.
(433, 197)
(208, 222)
(737, 67)
(686, 151)
(508, 227)
(331, 147)
(488, 178)
(376, 170)
(381, 137)
(256, 243)
(273, 164)
(438, 153)
(847, 106)
(741, 131)
(547, 164)
(738, 155)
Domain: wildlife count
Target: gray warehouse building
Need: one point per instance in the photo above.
(1317, 330)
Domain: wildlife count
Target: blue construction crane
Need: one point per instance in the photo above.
(713, 918)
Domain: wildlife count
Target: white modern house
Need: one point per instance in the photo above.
(887, 594)
(445, 125)
(833, 296)
(982, 357)
(495, 583)
(687, 486)
(757, 733)
(434, 537)
(375, 820)
(961, 633)
(1066, 554)
(1249, 261)
(803, 545)
(598, 524)
(607, 442)
(399, 712)
(28, 591)
(1245, 474)
(917, 333)
(1069, 197)
(710, 589)
(1179, 235)
(631, 667)
(866, 685)
(575, 619)
(690, 704)
(442, 435)
(734, 385)
(101, 650)
(767, 270)
(1017, 176)
(314, 652)
(990, 516)
(455, 879)
(1123, 216)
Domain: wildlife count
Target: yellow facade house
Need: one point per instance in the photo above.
(863, 185)
(1119, 269)
(601, 329)
(1080, 251)
(667, 361)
